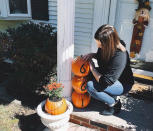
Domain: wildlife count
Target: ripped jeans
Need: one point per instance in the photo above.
(106, 96)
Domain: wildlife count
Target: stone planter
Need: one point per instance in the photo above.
(55, 122)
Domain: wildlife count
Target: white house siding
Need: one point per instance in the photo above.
(52, 12)
(84, 11)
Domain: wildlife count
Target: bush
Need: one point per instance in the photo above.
(4, 45)
(32, 47)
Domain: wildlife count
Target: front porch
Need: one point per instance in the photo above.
(136, 114)
(137, 110)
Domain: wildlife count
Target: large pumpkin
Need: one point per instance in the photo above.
(80, 67)
(55, 108)
(79, 84)
(80, 100)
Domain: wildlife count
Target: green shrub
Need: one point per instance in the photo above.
(4, 45)
(32, 47)
(5, 68)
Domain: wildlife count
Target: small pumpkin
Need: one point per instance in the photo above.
(79, 84)
(80, 67)
(132, 54)
(55, 108)
(80, 100)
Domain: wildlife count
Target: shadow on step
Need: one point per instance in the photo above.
(134, 111)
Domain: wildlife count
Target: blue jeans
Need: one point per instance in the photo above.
(106, 96)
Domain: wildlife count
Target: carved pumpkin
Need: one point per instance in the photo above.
(80, 100)
(80, 67)
(55, 108)
(79, 84)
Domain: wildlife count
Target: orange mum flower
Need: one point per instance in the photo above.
(54, 89)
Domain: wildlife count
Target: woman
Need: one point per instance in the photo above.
(113, 77)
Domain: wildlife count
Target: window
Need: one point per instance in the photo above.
(19, 8)
(24, 9)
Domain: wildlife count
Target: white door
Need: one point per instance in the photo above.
(122, 13)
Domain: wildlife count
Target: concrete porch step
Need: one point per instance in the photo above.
(76, 127)
(72, 127)
(143, 74)
(135, 115)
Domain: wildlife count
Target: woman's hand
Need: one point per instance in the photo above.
(88, 57)
(92, 65)
(95, 73)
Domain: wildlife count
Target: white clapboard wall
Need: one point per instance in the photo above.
(84, 13)
(52, 12)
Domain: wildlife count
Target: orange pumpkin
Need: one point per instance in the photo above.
(79, 84)
(55, 108)
(80, 100)
(80, 67)
(132, 54)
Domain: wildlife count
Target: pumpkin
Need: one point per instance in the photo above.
(132, 54)
(80, 100)
(79, 84)
(80, 67)
(55, 108)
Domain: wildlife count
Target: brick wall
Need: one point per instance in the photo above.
(92, 124)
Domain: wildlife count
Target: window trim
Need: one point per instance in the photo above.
(19, 15)
(5, 12)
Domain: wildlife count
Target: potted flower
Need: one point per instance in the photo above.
(55, 104)
(55, 111)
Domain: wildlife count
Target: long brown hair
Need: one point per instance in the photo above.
(109, 39)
